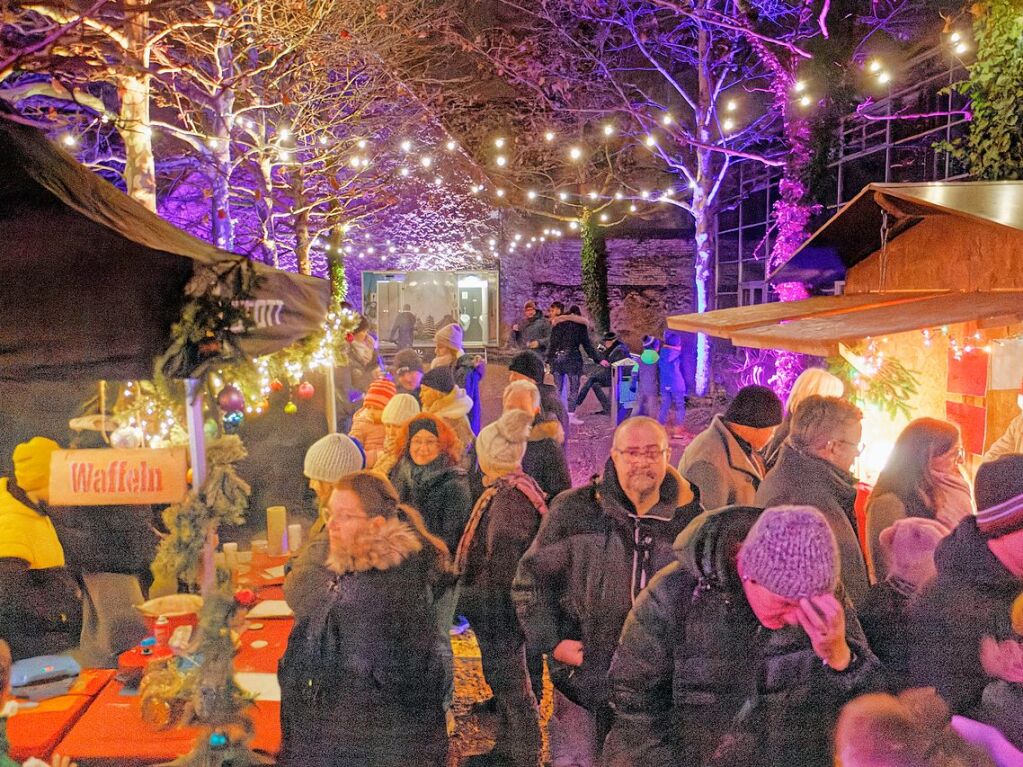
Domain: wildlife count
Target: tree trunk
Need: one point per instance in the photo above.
(704, 208)
(594, 271)
(133, 121)
(223, 106)
(301, 221)
(337, 274)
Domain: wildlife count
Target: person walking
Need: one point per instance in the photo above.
(922, 478)
(613, 350)
(749, 656)
(596, 549)
(672, 382)
(811, 381)
(646, 382)
(980, 574)
(403, 330)
(723, 461)
(569, 332)
(428, 478)
(545, 459)
(502, 526)
(533, 331)
(362, 680)
(467, 370)
(529, 366)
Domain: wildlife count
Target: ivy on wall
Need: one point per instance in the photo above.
(993, 147)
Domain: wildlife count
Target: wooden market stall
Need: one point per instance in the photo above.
(929, 276)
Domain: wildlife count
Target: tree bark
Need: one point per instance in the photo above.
(133, 122)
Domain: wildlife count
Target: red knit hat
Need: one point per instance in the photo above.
(379, 393)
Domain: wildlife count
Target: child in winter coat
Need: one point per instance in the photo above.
(367, 424)
(908, 548)
(467, 370)
(647, 385)
(672, 381)
(399, 411)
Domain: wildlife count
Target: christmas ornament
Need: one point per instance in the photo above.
(126, 437)
(276, 385)
(291, 408)
(264, 405)
(210, 428)
(231, 400)
(305, 390)
(245, 597)
(218, 740)
(349, 337)
(233, 420)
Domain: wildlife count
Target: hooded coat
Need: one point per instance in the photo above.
(568, 333)
(970, 598)
(699, 681)
(362, 680)
(370, 431)
(545, 459)
(802, 479)
(716, 463)
(590, 559)
(439, 491)
(454, 408)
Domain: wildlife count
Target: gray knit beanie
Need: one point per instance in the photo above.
(501, 446)
(791, 551)
(332, 457)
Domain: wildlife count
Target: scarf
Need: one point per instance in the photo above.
(516, 480)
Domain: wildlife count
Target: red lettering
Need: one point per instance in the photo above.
(81, 477)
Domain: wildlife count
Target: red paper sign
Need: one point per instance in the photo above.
(972, 424)
(968, 374)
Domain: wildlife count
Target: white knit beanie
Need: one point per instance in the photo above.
(449, 336)
(501, 445)
(332, 457)
(400, 410)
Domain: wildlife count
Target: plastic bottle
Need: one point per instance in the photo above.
(161, 631)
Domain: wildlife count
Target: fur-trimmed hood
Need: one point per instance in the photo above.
(453, 405)
(380, 544)
(551, 430)
(570, 318)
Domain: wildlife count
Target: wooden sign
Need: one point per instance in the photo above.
(111, 477)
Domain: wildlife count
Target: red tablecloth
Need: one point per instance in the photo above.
(112, 730)
(35, 731)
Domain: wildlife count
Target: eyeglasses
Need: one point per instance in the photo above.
(642, 455)
(424, 442)
(858, 447)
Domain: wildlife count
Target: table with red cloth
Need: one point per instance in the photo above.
(35, 731)
(112, 730)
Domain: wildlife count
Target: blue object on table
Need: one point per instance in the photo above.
(459, 626)
(43, 677)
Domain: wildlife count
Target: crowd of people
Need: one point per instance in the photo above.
(742, 609)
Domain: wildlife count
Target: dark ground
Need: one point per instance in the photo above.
(589, 448)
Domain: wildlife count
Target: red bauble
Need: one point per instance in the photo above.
(349, 337)
(245, 597)
(305, 390)
(276, 385)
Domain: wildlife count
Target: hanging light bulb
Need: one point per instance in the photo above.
(406, 146)
(592, 195)
(499, 192)
(603, 218)
(562, 196)
(501, 160)
(531, 194)
(573, 225)
(609, 130)
(69, 140)
(728, 124)
(650, 140)
(451, 146)
(575, 153)
(285, 133)
(667, 119)
(499, 143)
(732, 105)
(874, 66)
(549, 136)
(426, 161)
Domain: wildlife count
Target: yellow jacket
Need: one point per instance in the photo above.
(27, 534)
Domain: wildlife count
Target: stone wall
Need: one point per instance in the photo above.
(648, 279)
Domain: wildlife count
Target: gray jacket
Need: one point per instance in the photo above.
(716, 464)
(537, 329)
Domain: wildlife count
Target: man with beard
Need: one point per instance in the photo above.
(595, 551)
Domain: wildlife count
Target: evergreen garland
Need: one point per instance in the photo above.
(338, 279)
(594, 272)
(993, 146)
(890, 387)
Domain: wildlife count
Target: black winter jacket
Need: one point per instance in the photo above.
(590, 559)
(362, 680)
(698, 681)
(970, 598)
(551, 405)
(568, 333)
(438, 491)
(806, 480)
(885, 621)
(545, 459)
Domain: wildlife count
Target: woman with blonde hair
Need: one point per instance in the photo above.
(811, 381)
(362, 679)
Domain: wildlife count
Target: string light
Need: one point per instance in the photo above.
(285, 134)
(549, 136)
(69, 140)
(650, 140)
(731, 106)
(666, 119)
(531, 194)
(884, 78)
(575, 153)
(799, 86)
(805, 101)
(728, 124)
(362, 144)
(404, 171)
(962, 48)
(603, 218)
(406, 146)
(426, 161)
(501, 160)
(609, 130)
(573, 225)
(499, 143)
(874, 66)
(451, 146)
(592, 195)
(499, 192)
(562, 196)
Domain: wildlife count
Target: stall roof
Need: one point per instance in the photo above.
(821, 332)
(854, 232)
(724, 323)
(92, 280)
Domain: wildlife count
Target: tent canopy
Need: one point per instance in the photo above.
(92, 281)
(818, 325)
(854, 232)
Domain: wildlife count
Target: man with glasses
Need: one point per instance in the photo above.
(596, 549)
(813, 469)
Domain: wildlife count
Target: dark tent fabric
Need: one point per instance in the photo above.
(91, 281)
